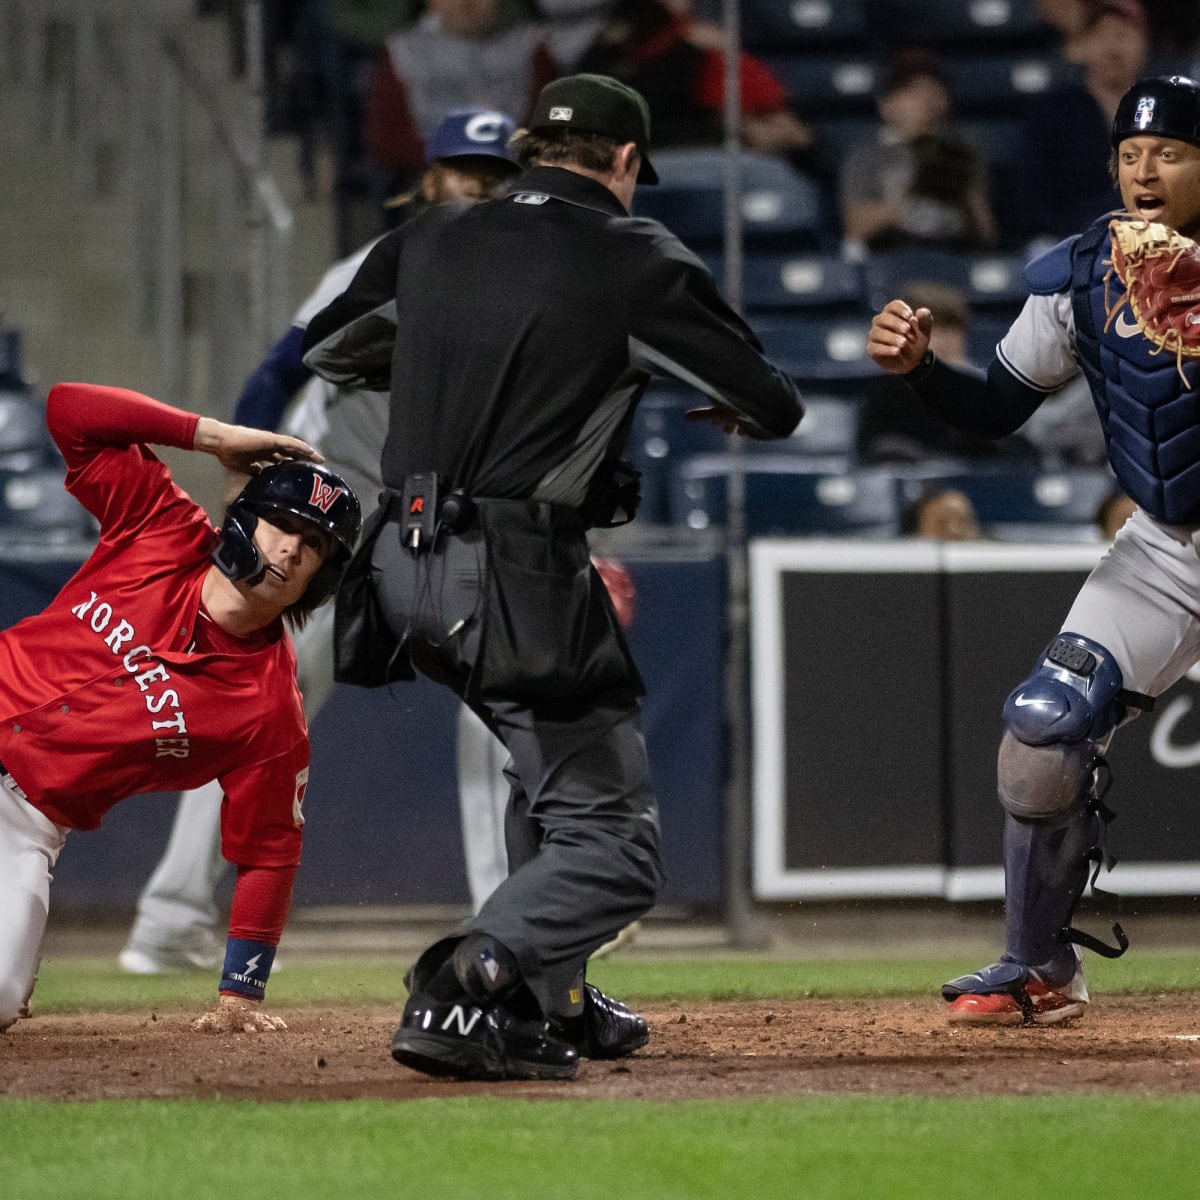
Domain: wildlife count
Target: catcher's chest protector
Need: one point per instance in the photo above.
(1148, 398)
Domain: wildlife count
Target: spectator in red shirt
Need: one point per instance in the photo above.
(678, 64)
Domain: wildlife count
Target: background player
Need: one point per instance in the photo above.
(164, 662)
(1133, 629)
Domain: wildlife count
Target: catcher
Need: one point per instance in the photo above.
(1121, 303)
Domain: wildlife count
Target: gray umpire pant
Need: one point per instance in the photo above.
(582, 827)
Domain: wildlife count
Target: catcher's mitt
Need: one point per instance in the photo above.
(1160, 270)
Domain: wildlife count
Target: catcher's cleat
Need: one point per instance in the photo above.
(1010, 993)
(605, 1029)
(464, 1041)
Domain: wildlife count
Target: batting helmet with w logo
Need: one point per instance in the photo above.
(311, 492)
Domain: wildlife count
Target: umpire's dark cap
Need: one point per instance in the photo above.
(597, 104)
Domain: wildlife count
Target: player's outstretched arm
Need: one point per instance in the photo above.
(899, 337)
(238, 447)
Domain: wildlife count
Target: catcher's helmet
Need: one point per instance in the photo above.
(1166, 105)
(307, 490)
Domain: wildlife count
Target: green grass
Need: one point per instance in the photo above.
(836, 1146)
(84, 985)
(843, 1147)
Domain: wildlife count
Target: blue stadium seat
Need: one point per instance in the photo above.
(35, 507)
(815, 347)
(992, 282)
(999, 137)
(790, 281)
(993, 85)
(786, 499)
(24, 442)
(962, 23)
(827, 433)
(768, 24)
(1011, 503)
(821, 84)
(660, 437)
(983, 335)
(778, 203)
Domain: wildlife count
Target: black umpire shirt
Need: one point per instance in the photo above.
(517, 336)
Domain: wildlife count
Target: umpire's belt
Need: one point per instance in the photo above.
(425, 507)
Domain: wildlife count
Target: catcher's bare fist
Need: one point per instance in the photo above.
(236, 1014)
(899, 337)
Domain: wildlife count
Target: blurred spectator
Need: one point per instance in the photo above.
(1064, 427)
(1065, 177)
(571, 28)
(943, 513)
(459, 54)
(917, 182)
(1115, 509)
(895, 427)
(1069, 18)
(677, 62)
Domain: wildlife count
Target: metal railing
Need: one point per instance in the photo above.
(209, 235)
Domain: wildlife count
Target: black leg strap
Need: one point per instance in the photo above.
(1110, 902)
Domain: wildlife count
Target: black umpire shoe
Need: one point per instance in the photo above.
(464, 1041)
(605, 1029)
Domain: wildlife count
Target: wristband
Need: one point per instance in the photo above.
(923, 368)
(247, 968)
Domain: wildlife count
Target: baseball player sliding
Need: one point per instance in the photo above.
(164, 663)
(1121, 304)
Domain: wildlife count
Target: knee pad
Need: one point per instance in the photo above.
(1055, 726)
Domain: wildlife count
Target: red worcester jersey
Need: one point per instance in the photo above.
(106, 693)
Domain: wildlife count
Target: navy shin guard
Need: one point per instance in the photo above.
(1045, 873)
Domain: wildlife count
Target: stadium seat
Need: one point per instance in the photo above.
(1019, 503)
(24, 443)
(768, 24)
(814, 347)
(820, 84)
(983, 335)
(827, 433)
(35, 507)
(993, 85)
(784, 498)
(988, 282)
(660, 437)
(778, 203)
(962, 23)
(790, 281)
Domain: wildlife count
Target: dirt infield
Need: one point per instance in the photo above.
(1145, 1045)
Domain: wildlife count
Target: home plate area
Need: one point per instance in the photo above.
(1142, 1044)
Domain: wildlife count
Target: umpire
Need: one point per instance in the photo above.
(517, 337)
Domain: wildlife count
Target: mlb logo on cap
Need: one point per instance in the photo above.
(1145, 112)
(560, 114)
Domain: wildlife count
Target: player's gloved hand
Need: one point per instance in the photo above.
(238, 1014)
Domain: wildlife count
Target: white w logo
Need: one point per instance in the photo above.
(457, 1016)
(324, 494)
